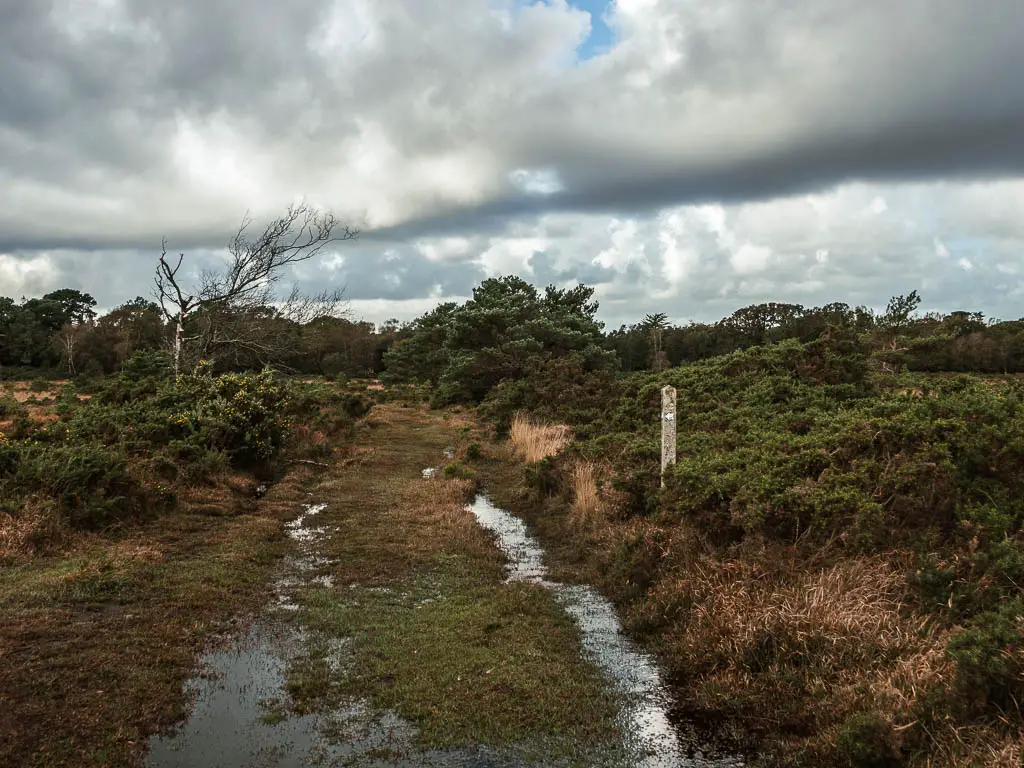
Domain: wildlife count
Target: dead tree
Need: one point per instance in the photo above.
(246, 287)
(66, 341)
(264, 333)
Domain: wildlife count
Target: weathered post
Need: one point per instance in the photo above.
(668, 429)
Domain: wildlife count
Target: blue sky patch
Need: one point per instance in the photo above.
(601, 36)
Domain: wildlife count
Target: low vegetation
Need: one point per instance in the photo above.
(833, 567)
(531, 441)
(832, 570)
(835, 562)
(142, 441)
(130, 532)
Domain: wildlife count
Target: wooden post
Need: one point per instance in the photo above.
(668, 429)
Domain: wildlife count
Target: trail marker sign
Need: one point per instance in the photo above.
(668, 429)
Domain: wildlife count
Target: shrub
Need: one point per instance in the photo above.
(458, 470)
(542, 477)
(244, 415)
(989, 655)
(148, 363)
(866, 740)
(335, 364)
(9, 407)
(91, 485)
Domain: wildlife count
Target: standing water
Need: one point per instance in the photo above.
(239, 717)
(652, 739)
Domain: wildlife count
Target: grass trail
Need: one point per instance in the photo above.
(436, 635)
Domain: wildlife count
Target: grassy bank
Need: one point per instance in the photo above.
(434, 633)
(833, 569)
(96, 641)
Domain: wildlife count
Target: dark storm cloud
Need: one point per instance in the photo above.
(732, 102)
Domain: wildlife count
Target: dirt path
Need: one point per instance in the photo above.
(409, 628)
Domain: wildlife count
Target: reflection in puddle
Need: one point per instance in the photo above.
(233, 720)
(651, 738)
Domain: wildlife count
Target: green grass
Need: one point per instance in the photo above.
(466, 662)
(421, 623)
(95, 646)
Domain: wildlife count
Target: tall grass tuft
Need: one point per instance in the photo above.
(587, 507)
(532, 442)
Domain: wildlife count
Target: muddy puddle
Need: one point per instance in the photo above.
(238, 715)
(653, 739)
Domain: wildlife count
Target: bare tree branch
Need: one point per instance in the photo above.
(237, 304)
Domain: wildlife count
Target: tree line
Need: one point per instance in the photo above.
(232, 319)
(61, 333)
(508, 330)
(955, 341)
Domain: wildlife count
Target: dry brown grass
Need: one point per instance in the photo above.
(532, 442)
(34, 530)
(787, 644)
(791, 646)
(588, 507)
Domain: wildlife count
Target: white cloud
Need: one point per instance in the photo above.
(625, 249)
(750, 259)
(26, 276)
(444, 248)
(511, 255)
(380, 310)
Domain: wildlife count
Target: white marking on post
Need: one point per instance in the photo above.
(668, 429)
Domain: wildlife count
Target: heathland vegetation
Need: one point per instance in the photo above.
(832, 569)
(834, 565)
(128, 488)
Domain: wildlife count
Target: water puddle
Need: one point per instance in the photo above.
(234, 721)
(239, 716)
(652, 739)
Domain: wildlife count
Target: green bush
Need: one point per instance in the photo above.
(866, 740)
(10, 408)
(989, 655)
(356, 406)
(458, 470)
(148, 363)
(335, 364)
(91, 485)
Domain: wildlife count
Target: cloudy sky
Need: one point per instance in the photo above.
(684, 156)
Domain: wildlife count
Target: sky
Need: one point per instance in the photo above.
(682, 156)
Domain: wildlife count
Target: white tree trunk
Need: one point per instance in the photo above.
(179, 337)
